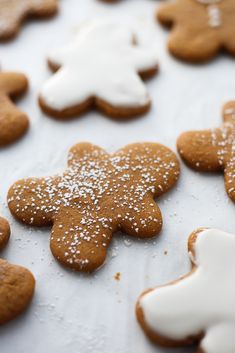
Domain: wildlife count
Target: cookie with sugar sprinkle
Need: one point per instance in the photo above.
(213, 150)
(96, 196)
(200, 29)
(14, 12)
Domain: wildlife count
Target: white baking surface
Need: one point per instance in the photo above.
(95, 314)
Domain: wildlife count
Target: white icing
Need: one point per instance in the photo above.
(101, 62)
(214, 13)
(203, 302)
(209, 2)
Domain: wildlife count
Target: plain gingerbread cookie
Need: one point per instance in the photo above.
(4, 232)
(213, 150)
(199, 28)
(199, 307)
(101, 68)
(13, 122)
(14, 12)
(96, 196)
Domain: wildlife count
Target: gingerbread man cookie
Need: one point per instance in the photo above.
(14, 12)
(111, 82)
(96, 196)
(213, 150)
(13, 123)
(4, 232)
(200, 28)
(198, 307)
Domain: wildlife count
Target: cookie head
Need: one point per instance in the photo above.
(213, 150)
(16, 290)
(96, 196)
(4, 232)
(200, 29)
(13, 122)
(14, 12)
(112, 82)
(199, 306)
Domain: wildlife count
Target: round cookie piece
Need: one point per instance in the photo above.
(13, 123)
(16, 290)
(4, 232)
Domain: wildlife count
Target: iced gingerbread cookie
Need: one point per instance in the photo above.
(4, 232)
(198, 307)
(96, 196)
(200, 28)
(13, 123)
(14, 12)
(102, 69)
(213, 150)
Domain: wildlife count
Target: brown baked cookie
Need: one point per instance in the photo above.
(198, 307)
(110, 83)
(14, 12)
(213, 150)
(200, 28)
(96, 196)
(16, 290)
(4, 232)
(13, 122)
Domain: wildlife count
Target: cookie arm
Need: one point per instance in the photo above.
(30, 203)
(156, 165)
(200, 150)
(144, 60)
(165, 314)
(44, 8)
(13, 84)
(166, 13)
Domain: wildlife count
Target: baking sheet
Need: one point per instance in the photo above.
(77, 313)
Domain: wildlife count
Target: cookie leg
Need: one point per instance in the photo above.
(193, 47)
(144, 221)
(80, 243)
(200, 149)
